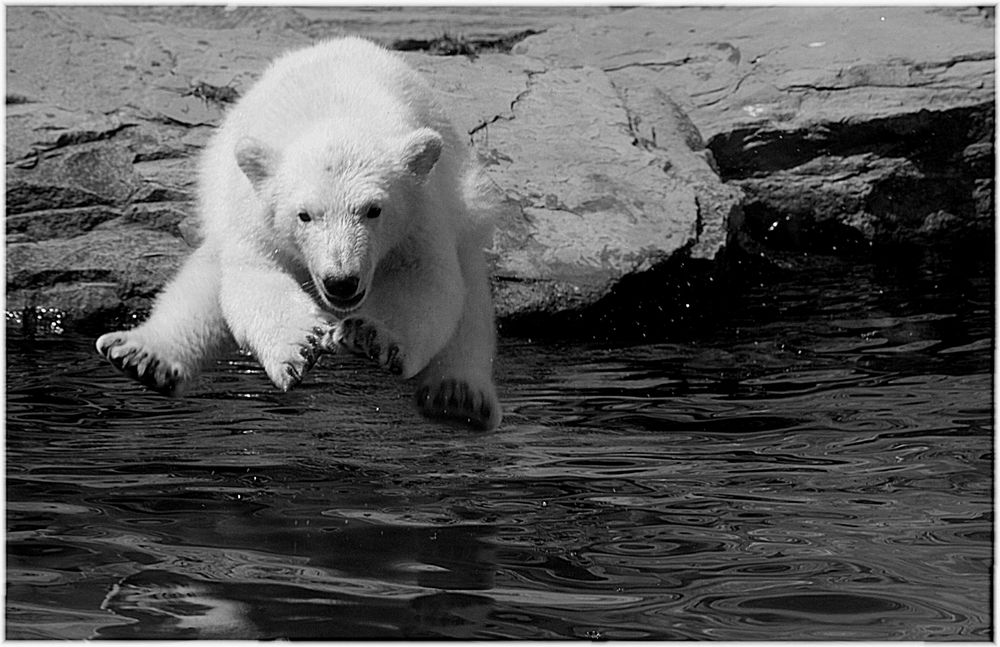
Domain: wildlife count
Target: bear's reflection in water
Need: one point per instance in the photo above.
(382, 582)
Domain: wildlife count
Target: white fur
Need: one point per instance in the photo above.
(328, 133)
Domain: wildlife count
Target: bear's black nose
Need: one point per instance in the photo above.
(341, 287)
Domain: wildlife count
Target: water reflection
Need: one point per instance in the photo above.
(818, 466)
(347, 579)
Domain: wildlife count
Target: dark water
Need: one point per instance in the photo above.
(817, 465)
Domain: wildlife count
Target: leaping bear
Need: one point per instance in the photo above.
(338, 211)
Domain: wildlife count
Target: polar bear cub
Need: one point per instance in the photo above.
(336, 207)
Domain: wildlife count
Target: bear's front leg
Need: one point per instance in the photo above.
(184, 331)
(268, 312)
(139, 357)
(370, 339)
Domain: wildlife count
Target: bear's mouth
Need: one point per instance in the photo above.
(344, 305)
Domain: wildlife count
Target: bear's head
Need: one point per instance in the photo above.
(341, 200)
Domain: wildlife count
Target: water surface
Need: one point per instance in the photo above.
(815, 465)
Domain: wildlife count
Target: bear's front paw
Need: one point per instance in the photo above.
(371, 339)
(131, 356)
(287, 370)
(457, 400)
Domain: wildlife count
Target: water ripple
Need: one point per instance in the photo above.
(818, 466)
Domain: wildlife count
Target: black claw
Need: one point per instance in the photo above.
(393, 360)
(106, 350)
(456, 397)
(309, 355)
(347, 328)
(123, 360)
(129, 370)
(148, 377)
(294, 374)
(171, 380)
(151, 369)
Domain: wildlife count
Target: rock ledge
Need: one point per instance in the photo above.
(630, 148)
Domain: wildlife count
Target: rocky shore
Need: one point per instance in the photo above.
(636, 151)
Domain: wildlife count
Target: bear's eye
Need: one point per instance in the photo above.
(372, 211)
(304, 216)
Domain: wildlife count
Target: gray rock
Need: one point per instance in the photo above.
(111, 105)
(598, 184)
(606, 136)
(100, 274)
(827, 117)
(587, 206)
(107, 115)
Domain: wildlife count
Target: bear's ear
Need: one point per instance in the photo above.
(421, 152)
(255, 159)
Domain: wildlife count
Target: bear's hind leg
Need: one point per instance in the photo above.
(457, 384)
(184, 331)
(469, 402)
